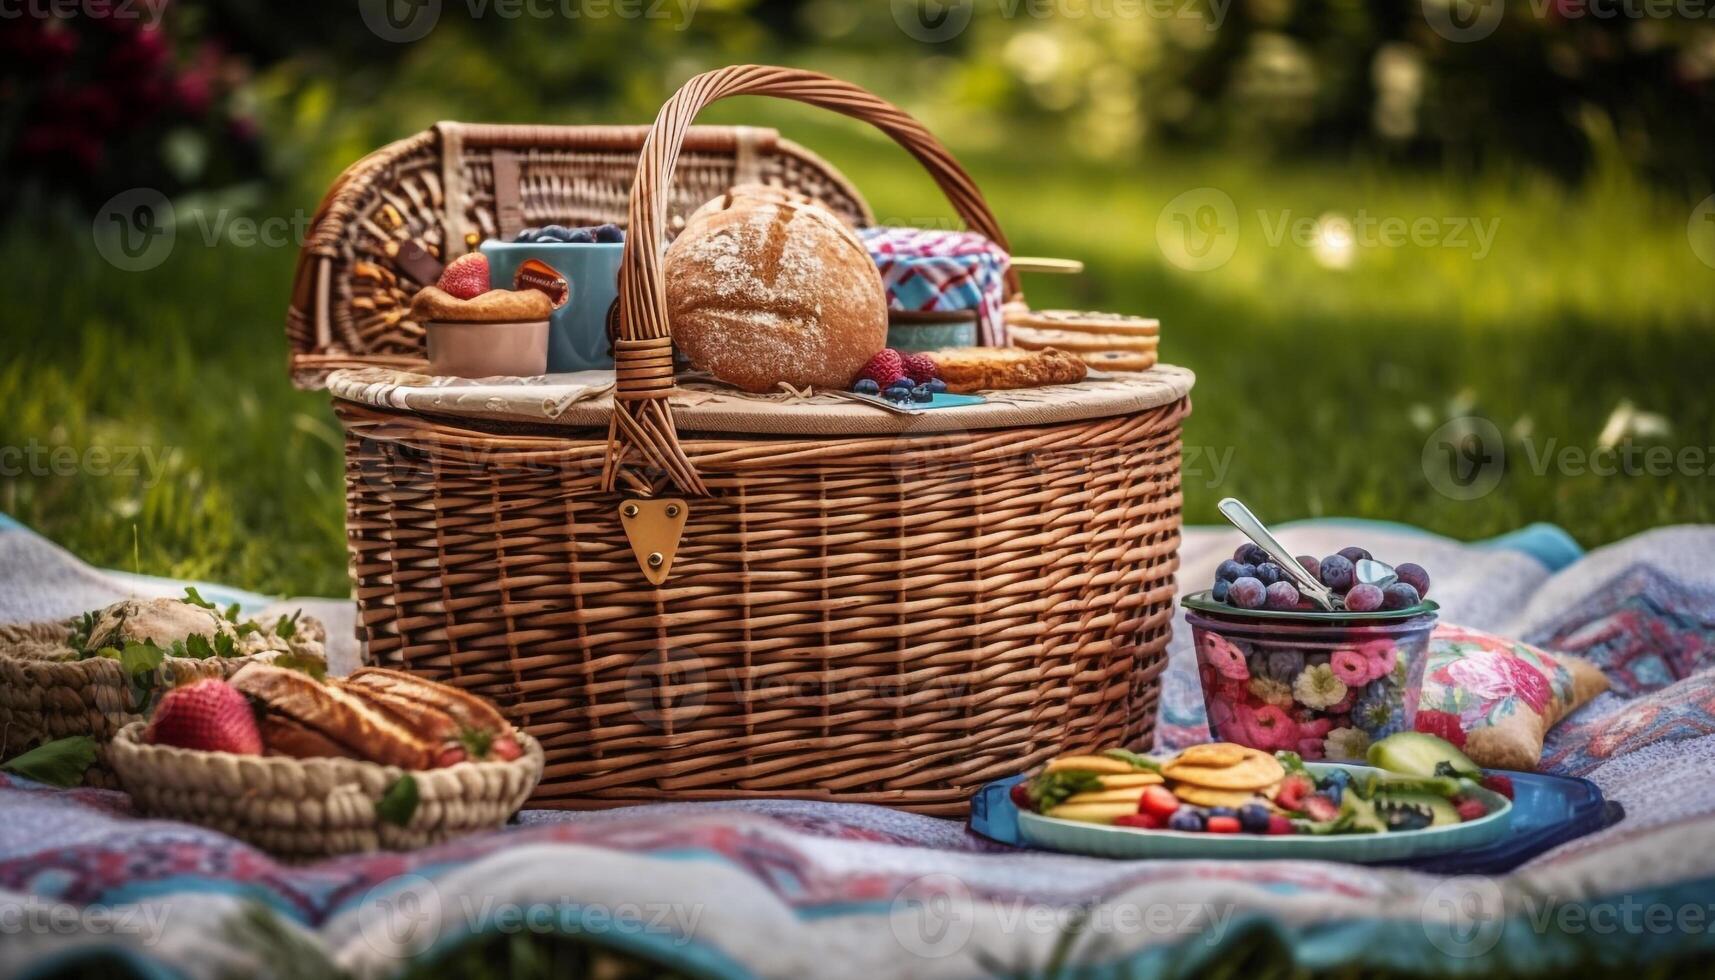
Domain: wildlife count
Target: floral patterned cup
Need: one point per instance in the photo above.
(1325, 691)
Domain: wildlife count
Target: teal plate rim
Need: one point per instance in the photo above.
(1203, 602)
(1102, 840)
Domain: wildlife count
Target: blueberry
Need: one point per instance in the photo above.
(1413, 574)
(1310, 565)
(1228, 570)
(1246, 571)
(921, 393)
(1222, 811)
(552, 233)
(904, 384)
(579, 236)
(1253, 818)
(1364, 598)
(1336, 572)
(1250, 554)
(1281, 595)
(1185, 818)
(1247, 593)
(1269, 573)
(1355, 554)
(609, 233)
(936, 385)
(866, 386)
(1219, 592)
(528, 235)
(1400, 596)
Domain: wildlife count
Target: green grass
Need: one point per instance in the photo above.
(1317, 386)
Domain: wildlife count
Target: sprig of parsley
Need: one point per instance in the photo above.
(1050, 789)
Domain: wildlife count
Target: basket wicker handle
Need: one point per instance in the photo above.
(643, 353)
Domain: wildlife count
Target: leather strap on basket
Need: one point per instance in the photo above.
(642, 424)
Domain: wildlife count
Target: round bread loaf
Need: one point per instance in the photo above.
(763, 288)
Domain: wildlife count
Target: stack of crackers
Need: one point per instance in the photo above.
(1104, 341)
(1223, 774)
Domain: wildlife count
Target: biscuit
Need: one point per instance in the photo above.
(1078, 321)
(1119, 360)
(967, 369)
(1032, 338)
(1252, 774)
(1204, 796)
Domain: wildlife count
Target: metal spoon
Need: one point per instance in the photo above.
(1241, 517)
(1377, 573)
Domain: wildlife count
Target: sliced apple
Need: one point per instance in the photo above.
(1093, 812)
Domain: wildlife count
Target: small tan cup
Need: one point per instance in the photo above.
(487, 349)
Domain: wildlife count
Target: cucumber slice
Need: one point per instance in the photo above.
(1417, 754)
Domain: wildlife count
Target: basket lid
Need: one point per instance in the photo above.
(585, 401)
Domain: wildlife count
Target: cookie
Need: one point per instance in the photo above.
(1214, 754)
(968, 369)
(1254, 773)
(1204, 796)
(1032, 338)
(1078, 321)
(1130, 779)
(1090, 763)
(1119, 360)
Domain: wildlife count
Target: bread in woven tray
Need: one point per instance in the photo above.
(967, 369)
(423, 704)
(284, 736)
(361, 731)
(494, 306)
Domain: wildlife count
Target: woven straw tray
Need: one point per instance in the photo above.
(582, 401)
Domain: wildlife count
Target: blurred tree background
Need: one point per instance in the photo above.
(1577, 130)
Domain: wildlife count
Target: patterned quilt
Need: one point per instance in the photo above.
(804, 889)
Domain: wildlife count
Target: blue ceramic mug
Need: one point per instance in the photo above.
(578, 329)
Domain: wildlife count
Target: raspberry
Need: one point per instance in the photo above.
(884, 368)
(1320, 808)
(1498, 783)
(1279, 825)
(920, 367)
(1223, 825)
(209, 715)
(466, 276)
(1469, 809)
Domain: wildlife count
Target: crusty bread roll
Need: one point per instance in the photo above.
(763, 287)
(494, 306)
(968, 369)
(336, 715)
(425, 705)
(283, 736)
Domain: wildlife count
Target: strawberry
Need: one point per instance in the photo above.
(1498, 783)
(506, 748)
(1020, 794)
(1293, 790)
(466, 276)
(1279, 826)
(450, 755)
(884, 368)
(1140, 821)
(1319, 808)
(209, 715)
(1222, 825)
(1158, 800)
(1468, 808)
(920, 367)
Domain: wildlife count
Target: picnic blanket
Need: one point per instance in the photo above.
(800, 889)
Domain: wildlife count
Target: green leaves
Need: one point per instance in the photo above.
(1292, 762)
(399, 802)
(61, 762)
(195, 598)
(1140, 762)
(141, 663)
(285, 629)
(1052, 788)
(303, 663)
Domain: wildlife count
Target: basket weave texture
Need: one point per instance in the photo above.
(890, 619)
(302, 809)
(45, 694)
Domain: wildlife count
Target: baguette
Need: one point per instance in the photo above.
(283, 736)
(466, 709)
(360, 730)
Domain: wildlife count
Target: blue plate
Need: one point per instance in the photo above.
(1547, 811)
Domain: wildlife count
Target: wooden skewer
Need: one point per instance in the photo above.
(1059, 267)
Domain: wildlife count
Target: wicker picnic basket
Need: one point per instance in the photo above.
(47, 692)
(303, 809)
(891, 618)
